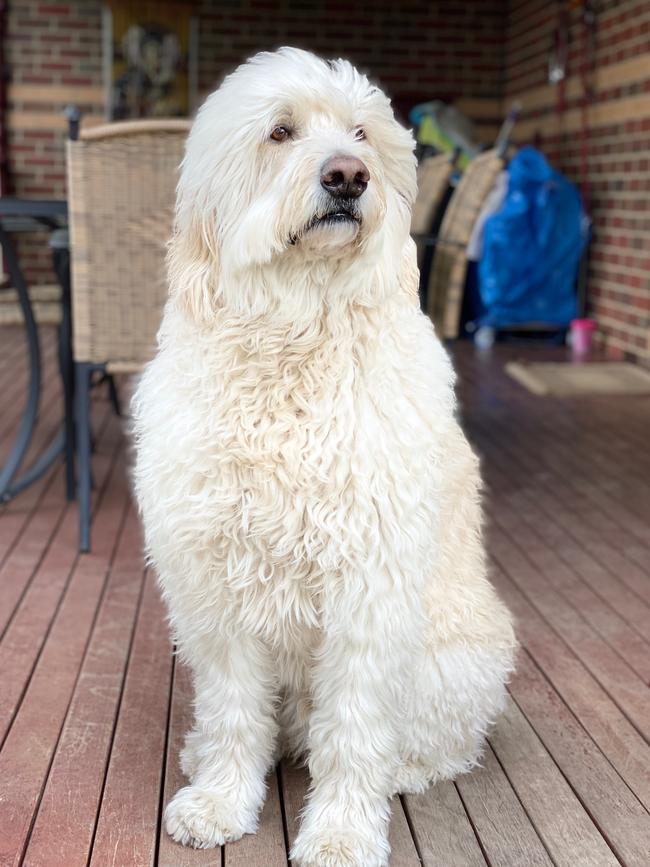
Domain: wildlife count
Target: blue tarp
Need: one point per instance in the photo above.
(532, 247)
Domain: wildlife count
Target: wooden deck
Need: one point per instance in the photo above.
(92, 706)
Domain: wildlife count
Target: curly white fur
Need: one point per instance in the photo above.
(309, 501)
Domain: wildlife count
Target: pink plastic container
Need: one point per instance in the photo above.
(582, 331)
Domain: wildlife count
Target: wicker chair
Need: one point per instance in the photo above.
(121, 186)
(434, 176)
(446, 280)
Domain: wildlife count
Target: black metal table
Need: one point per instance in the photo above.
(21, 215)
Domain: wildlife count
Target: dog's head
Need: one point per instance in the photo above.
(293, 163)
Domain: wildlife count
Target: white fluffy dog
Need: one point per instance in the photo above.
(309, 501)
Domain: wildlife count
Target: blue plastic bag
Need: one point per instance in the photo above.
(532, 247)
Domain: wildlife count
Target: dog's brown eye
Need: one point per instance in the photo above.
(280, 133)
(360, 133)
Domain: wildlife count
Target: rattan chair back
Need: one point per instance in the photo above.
(121, 188)
(447, 280)
(433, 179)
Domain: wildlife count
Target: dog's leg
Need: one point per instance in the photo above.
(455, 695)
(456, 686)
(188, 758)
(232, 744)
(352, 744)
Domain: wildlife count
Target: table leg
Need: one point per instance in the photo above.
(9, 485)
(83, 377)
(61, 256)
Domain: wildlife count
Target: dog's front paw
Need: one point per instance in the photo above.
(201, 818)
(330, 846)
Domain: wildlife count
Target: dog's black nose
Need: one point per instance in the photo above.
(344, 177)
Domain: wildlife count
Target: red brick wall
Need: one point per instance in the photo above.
(473, 52)
(419, 50)
(53, 52)
(615, 169)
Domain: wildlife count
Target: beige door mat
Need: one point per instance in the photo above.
(564, 379)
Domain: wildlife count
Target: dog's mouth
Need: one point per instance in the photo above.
(337, 214)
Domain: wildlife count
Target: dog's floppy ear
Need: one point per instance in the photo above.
(193, 257)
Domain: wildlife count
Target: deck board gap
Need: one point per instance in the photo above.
(161, 801)
(283, 811)
(407, 815)
(484, 853)
(523, 806)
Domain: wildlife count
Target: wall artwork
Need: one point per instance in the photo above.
(150, 51)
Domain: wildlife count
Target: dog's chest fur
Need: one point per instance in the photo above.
(306, 459)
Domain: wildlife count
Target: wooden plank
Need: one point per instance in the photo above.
(14, 521)
(27, 632)
(565, 755)
(63, 830)
(534, 487)
(620, 682)
(618, 814)
(170, 853)
(127, 829)
(49, 424)
(29, 746)
(541, 478)
(582, 501)
(295, 783)
(624, 747)
(14, 371)
(615, 563)
(441, 829)
(507, 836)
(13, 384)
(20, 565)
(615, 507)
(560, 427)
(19, 568)
(626, 603)
(599, 463)
(639, 555)
(578, 545)
(15, 390)
(51, 485)
(403, 852)
(577, 593)
(561, 821)
(558, 522)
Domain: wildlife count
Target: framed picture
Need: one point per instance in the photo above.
(150, 58)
